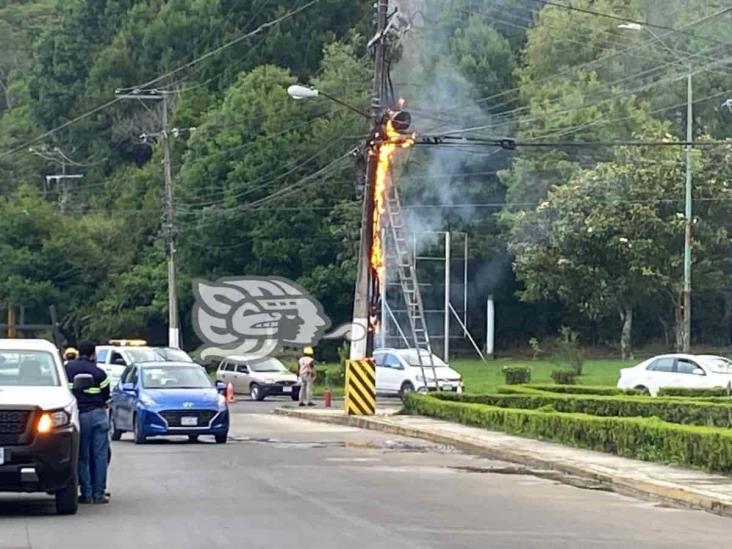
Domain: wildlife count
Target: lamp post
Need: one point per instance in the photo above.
(686, 334)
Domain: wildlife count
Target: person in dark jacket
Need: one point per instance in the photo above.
(94, 423)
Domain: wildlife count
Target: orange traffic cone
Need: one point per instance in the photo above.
(230, 393)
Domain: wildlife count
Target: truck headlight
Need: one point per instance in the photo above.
(222, 402)
(53, 420)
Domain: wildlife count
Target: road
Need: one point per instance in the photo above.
(288, 483)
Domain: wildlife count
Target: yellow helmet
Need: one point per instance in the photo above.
(71, 353)
(308, 351)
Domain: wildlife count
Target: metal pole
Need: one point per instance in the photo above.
(686, 341)
(447, 298)
(465, 287)
(363, 348)
(169, 231)
(490, 326)
(383, 320)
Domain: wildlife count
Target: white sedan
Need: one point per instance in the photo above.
(677, 370)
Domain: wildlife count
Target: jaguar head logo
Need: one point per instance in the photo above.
(255, 316)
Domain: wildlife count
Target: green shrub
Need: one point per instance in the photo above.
(688, 392)
(567, 350)
(647, 439)
(516, 375)
(582, 389)
(564, 376)
(672, 410)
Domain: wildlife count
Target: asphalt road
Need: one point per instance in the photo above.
(287, 483)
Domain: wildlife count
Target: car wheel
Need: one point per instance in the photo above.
(67, 499)
(221, 439)
(407, 387)
(193, 438)
(642, 389)
(138, 434)
(116, 433)
(255, 392)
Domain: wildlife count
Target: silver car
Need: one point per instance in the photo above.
(259, 378)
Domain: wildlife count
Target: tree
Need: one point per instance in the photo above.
(611, 238)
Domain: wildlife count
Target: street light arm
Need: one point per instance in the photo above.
(344, 104)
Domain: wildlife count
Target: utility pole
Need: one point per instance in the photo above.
(686, 338)
(61, 180)
(168, 221)
(363, 348)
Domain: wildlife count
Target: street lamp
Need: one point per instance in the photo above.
(686, 339)
(298, 92)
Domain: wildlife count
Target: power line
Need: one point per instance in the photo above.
(191, 63)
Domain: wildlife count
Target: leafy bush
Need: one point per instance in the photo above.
(516, 375)
(535, 345)
(672, 410)
(564, 376)
(688, 392)
(647, 439)
(567, 350)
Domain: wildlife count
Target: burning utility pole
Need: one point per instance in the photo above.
(363, 313)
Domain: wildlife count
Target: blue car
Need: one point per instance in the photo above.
(168, 398)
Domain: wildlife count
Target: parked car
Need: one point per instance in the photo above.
(120, 353)
(39, 422)
(401, 370)
(258, 378)
(168, 398)
(677, 370)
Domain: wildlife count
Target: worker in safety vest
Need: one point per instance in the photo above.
(70, 354)
(306, 369)
(94, 424)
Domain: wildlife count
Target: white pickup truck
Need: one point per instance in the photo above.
(120, 353)
(39, 422)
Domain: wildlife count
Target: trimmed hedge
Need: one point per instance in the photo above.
(569, 389)
(516, 375)
(687, 412)
(690, 393)
(564, 376)
(647, 439)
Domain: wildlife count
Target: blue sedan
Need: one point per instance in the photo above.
(168, 398)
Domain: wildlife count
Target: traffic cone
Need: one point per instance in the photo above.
(230, 393)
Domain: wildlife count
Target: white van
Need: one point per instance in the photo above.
(400, 370)
(39, 422)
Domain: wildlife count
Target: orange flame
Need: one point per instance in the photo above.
(383, 181)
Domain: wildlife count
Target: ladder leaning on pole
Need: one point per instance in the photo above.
(410, 287)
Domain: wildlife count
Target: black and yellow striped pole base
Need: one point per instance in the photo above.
(361, 387)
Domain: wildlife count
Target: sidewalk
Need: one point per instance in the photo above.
(673, 485)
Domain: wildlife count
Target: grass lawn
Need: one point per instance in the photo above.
(486, 378)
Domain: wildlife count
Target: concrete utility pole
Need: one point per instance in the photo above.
(168, 221)
(361, 304)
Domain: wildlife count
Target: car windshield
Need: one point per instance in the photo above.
(413, 359)
(268, 365)
(175, 377)
(28, 369)
(717, 364)
(157, 354)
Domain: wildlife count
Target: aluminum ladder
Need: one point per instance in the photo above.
(407, 276)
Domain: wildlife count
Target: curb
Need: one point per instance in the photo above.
(672, 494)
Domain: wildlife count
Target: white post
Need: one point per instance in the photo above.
(447, 297)
(490, 326)
(385, 282)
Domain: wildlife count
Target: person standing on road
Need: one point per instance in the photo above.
(70, 354)
(94, 423)
(306, 368)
